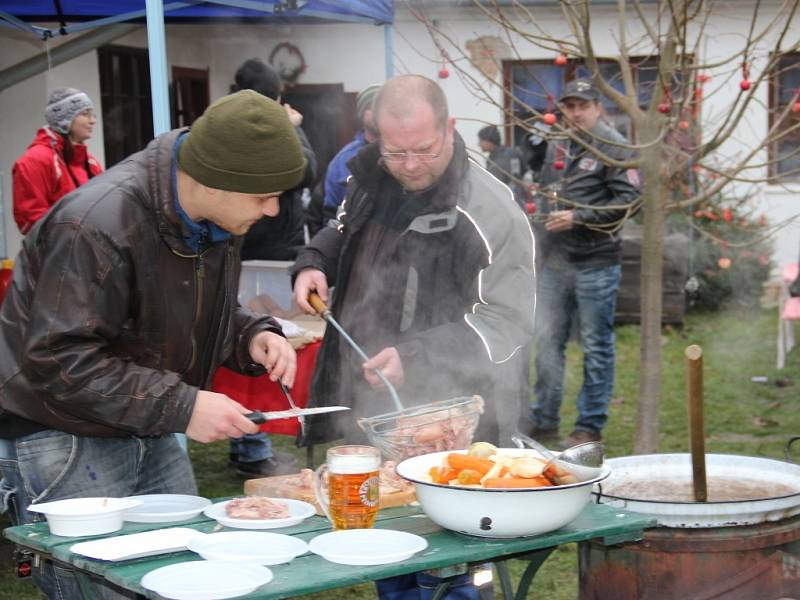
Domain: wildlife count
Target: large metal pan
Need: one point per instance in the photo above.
(661, 485)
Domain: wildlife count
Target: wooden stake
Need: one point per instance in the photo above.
(694, 387)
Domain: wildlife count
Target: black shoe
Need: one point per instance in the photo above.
(280, 463)
(544, 435)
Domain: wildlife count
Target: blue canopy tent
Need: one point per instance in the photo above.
(79, 15)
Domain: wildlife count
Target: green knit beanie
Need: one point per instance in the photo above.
(245, 143)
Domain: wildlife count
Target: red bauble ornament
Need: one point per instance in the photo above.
(561, 60)
(745, 84)
(530, 207)
(727, 215)
(683, 124)
(724, 262)
(558, 164)
(549, 118)
(444, 73)
(664, 107)
(796, 107)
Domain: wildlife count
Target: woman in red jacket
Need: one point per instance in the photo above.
(57, 161)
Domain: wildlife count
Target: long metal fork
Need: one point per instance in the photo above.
(301, 420)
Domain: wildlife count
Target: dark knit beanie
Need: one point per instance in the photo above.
(245, 143)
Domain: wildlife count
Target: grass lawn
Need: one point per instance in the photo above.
(742, 417)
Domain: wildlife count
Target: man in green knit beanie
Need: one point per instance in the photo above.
(123, 307)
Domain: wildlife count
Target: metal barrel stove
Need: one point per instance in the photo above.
(743, 544)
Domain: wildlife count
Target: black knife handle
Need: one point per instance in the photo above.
(256, 417)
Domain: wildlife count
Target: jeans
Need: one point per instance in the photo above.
(53, 465)
(591, 295)
(422, 586)
(252, 447)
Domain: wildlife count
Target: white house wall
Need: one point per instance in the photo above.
(353, 55)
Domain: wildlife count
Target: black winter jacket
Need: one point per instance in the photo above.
(463, 292)
(112, 323)
(597, 189)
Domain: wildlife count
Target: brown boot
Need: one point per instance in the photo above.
(581, 436)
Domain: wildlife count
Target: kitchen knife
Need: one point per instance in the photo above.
(259, 417)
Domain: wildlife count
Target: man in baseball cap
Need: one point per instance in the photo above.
(581, 204)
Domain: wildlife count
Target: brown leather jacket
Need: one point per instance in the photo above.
(112, 323)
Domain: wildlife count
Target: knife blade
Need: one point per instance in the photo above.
(259, 417)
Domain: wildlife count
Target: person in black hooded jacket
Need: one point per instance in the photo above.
(277, 237)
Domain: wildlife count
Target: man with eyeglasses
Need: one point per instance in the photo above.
(432, 263)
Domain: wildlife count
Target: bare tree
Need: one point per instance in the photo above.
(681, 143)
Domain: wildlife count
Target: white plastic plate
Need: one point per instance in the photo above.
(298, 512)
(206, 580)
(165, 508)
(249, 546)
(367, 546)
(137, 545)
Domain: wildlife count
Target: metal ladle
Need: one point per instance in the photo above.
(581, 462)
(319, 305)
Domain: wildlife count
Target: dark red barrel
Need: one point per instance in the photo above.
(731, 563)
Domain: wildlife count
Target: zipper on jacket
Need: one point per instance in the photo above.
(199, 278)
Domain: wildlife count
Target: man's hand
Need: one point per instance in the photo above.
(276, 355)
(295, 117)
(388, 362)
(560, 220)
(217, 417)
(307, 281)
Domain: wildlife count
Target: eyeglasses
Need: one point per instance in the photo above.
(424, 157)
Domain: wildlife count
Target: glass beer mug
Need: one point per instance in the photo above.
(349, 493)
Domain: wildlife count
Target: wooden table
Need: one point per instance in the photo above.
(312, 573)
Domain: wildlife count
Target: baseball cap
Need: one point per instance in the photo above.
(580, 88)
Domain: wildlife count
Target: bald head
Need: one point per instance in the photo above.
(400, 96)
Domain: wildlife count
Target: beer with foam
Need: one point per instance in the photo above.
(351, 501)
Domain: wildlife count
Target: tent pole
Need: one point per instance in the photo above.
(388, 49)
(159, 80)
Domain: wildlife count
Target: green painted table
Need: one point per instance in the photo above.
(311, 573)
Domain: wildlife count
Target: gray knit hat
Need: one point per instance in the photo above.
(63, 105)
(245, 143)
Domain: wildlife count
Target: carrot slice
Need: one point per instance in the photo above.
(517, 482)
(463, 461)
(442, 474)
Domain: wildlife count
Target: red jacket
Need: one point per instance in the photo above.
(41, 178)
